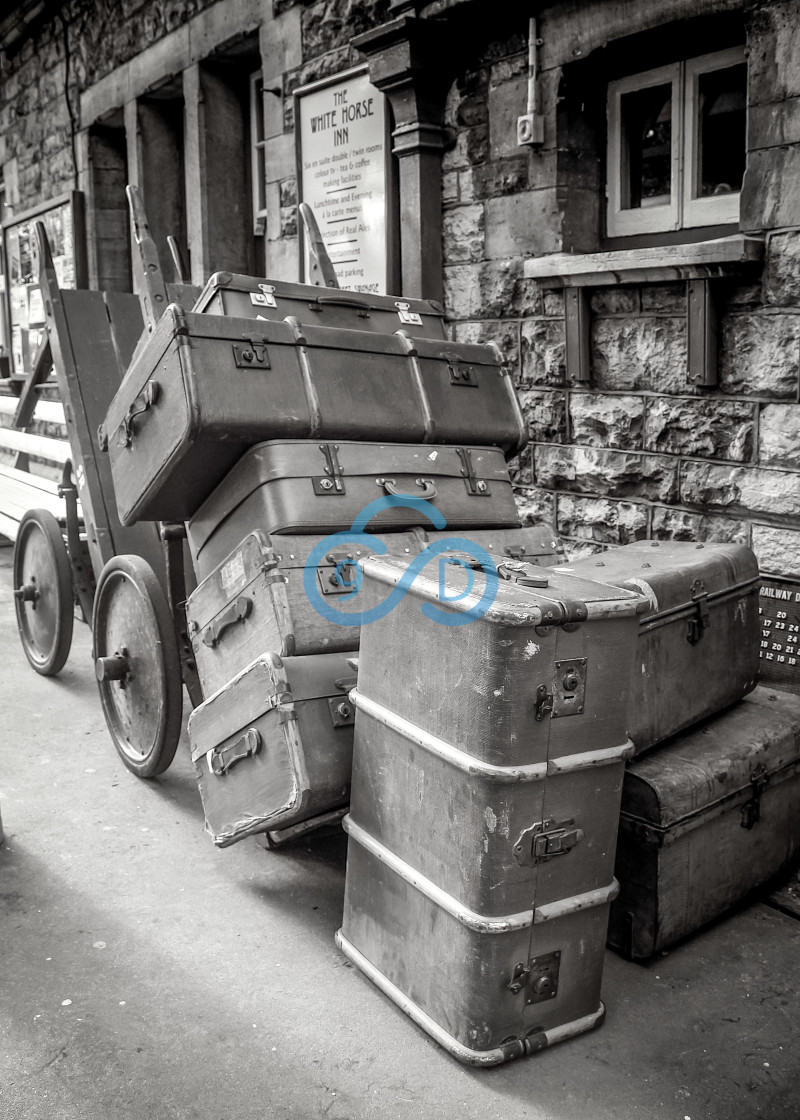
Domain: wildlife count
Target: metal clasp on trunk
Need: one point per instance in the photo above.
(478, 487)
(546, 839)
(539, 975)
(330, 483)
(751, 810)
(252, 354)
(702, 621)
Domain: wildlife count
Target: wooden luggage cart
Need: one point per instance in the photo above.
(129, 582)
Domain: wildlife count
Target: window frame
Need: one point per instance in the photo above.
(258, 168)
(684, 211)
(715, 209)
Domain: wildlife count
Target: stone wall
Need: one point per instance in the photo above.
(639, 452)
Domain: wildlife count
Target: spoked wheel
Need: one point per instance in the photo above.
(43, 593)
(137, 665)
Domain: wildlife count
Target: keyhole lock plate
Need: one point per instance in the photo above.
(569, 687)
(538, 978)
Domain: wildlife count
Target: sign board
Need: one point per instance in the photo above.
(779, 641)
(343, 175)
(63, 220)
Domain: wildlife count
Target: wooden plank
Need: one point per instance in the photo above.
(16, 498)
(40, 371)
(33, 481)
(8, 527)
(53, 450)
(52, 412)
(664, 262)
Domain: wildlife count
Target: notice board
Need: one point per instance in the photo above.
(63, 220)
(344, 175)
(779, 640)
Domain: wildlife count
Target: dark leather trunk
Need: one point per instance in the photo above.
(706, 820)
(206, 387)
(308, 487)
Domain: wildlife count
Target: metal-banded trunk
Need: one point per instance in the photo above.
(698, 641)
(705, 820)
(488, 766)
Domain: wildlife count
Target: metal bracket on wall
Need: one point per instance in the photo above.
(576, 334)
(701, 333)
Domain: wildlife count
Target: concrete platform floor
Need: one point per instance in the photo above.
(145, 974)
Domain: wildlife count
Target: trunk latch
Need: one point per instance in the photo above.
(751, 810)
(546, 839)
(569, 690)
(477, 487)
(330, 483)
(251, 354)
(701, 620)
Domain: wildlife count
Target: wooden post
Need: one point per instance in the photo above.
(408, 61)
(701, 332)
(576, 334)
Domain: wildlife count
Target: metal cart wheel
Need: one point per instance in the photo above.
(137, 665)
(43, 592)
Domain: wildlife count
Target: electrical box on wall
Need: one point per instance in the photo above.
(530, 129)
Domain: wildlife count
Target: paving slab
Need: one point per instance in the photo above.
(145, 974)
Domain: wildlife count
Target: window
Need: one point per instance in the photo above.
(676, 145)
(258, 168)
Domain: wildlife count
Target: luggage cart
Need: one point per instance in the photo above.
(129, 582)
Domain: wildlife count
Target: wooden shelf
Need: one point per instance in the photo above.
(700, 260)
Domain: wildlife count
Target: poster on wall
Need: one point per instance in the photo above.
(343, 175)
(62, 219)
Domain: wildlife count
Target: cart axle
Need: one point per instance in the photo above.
(28, 593)
(116, 668)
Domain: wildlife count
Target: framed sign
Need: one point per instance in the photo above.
(344, 175)
(779, 642)
(63, 220)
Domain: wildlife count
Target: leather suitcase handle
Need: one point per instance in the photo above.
(139, 406)
(427, 486)
(236, 612)
(342, 301)
(221, 761)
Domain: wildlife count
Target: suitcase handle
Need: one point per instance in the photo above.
(427, 485)
(236, 612)
(147, 399)
(220, 761)
(342, 301)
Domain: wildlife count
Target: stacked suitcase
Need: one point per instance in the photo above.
(295, 430)
(709, 804)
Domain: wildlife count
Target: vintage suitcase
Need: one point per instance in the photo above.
(256, 599)
(251, 297)
(308, 487)
(207, 387)
(275, 746)
(698, 644)
(488, 764)
(706, 820)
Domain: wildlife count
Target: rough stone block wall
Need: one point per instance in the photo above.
(639, 452)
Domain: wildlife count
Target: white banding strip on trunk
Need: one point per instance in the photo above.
(460, 759)
(480, 1058)
(536, 772)
(480, 923)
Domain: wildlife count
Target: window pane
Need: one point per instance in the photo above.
(721, 130)
(646, 171)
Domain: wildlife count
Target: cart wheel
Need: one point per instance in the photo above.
(43, 594)
(137, 665)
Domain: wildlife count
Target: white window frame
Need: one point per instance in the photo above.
(258, 170)
(684, 210)
(717, 209)
(644, 219)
